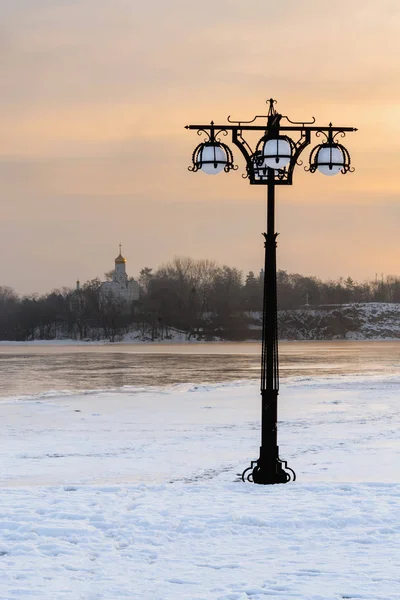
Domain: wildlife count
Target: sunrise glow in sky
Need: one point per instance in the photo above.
(94, 97)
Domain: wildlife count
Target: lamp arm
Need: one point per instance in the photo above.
(304, 141)
(242, 145)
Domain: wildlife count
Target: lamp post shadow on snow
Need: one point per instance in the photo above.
(270, 163)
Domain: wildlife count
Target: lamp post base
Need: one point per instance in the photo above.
(268, 470)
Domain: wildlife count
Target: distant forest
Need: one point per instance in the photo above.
(196, 297)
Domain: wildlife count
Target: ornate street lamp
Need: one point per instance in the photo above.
(212, 156)
(271, 163)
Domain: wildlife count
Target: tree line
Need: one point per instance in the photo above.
(197, 297)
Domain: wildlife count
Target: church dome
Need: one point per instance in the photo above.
(120, 260)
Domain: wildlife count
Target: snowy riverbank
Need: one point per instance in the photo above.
(355, 321)
(134, 494)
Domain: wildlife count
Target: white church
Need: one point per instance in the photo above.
(120, 287)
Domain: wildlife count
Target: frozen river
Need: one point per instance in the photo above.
(33, 369)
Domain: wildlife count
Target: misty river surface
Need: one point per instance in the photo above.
(32, 369)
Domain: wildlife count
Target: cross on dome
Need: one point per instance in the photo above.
(120, 259)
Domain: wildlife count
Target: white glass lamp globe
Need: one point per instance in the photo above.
(277, 153)
(330, 160)
(213, 160)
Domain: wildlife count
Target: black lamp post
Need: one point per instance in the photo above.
(271, 164)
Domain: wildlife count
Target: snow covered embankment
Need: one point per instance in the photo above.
(377, 321)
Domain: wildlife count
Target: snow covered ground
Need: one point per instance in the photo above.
(134, 494)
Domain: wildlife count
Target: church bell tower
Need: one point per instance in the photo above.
(120, 268)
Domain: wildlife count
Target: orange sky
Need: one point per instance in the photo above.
(94, 96)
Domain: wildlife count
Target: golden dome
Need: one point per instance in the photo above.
(120, 260)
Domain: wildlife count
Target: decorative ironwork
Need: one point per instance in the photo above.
(330, 154)
(249, 470)
(212, 154)
(252, 473)
(289, 141)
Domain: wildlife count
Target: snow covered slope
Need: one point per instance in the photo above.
(346, 321)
